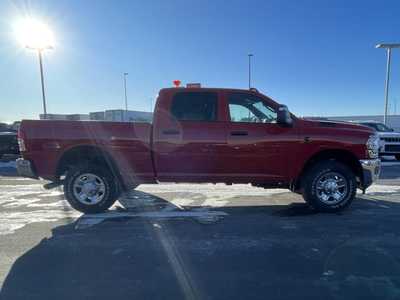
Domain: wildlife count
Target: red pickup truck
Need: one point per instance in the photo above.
(203, 135)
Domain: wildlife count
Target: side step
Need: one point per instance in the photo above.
(52, 185)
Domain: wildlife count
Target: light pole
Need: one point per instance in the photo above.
(35, 35)
(388, 48)
(126, 97)
(40, 50)
(42, 81)
(250, 56)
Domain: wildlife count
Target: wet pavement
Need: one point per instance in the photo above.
(199, 242)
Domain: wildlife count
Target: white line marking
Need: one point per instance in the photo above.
(90, 220)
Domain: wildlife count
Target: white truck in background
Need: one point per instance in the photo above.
(389, 139)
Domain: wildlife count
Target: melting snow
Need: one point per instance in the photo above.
(38, 206)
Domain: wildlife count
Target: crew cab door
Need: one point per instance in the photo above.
(188, 136)
(258, 148)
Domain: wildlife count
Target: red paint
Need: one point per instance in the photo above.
(270, 154)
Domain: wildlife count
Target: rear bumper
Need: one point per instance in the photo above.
(25, 168)
(371, 170)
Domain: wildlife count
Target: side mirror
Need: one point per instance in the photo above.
(283, 116)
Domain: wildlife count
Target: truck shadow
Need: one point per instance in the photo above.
(278, 251)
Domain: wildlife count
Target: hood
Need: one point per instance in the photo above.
(388, 134)
(336, 124)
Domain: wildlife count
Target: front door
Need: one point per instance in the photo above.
(257, 145)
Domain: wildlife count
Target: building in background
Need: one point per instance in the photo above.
(393, 120)
(113, 115)
(78, 117)
(121, 115)
(98, 115)
(53, 117)
(70, 117)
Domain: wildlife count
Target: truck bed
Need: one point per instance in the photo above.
(127, 143)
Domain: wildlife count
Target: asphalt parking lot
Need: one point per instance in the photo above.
(198, 242)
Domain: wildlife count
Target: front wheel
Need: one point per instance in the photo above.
(329, 186)
(90, 189)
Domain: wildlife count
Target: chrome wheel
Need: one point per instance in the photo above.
(89, 189)
(331, 188)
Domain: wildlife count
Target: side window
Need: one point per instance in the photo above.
(195, 106)
(249, 108)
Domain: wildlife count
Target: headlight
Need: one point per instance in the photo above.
(373, 146)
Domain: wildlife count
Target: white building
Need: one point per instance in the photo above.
(70, 117)
(98, 115)
(121, 115)
(115, 115)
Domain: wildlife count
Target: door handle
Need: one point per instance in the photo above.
(170, 131)
(239, 133)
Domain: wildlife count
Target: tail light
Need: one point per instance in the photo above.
(21, 141)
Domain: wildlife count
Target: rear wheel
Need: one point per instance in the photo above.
(397, 156)
(329, 186)
(90, 189)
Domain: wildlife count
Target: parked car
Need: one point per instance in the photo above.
(4, 127)
(203, 135)
(389, 139)
(8, 143)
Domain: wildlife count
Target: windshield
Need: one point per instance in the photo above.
(378, 127)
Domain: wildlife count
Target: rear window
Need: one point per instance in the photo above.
(189, 106)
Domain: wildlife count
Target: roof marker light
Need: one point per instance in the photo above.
(193, 85)
(177, 83)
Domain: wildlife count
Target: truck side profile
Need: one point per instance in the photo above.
(203, 135)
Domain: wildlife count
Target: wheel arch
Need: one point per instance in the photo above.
(344, 156)
(89, 154)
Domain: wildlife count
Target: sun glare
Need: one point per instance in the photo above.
(34, 34)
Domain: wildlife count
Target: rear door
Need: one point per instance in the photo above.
(189, 136)
(257, 147)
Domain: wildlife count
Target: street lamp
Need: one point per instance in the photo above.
(250, 56)
(388, 48)
(36, 36)
(126, 97)
(40, 50)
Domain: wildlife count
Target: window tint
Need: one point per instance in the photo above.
(189, 106)
(251, 109)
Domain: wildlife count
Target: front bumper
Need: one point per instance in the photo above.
(371, 170)
(25, 168)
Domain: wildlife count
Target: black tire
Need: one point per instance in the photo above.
(315, 175)
(108, 197)
(397, 156)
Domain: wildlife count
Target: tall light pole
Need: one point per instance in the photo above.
(40, 51)
(35, 35)
(126, 97)
(388, 48)
(250, 56)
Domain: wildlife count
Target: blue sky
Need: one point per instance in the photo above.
(318, 57)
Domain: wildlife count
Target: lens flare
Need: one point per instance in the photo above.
(32, 33)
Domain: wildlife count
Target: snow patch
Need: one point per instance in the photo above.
(11, 221)
(377, 188)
